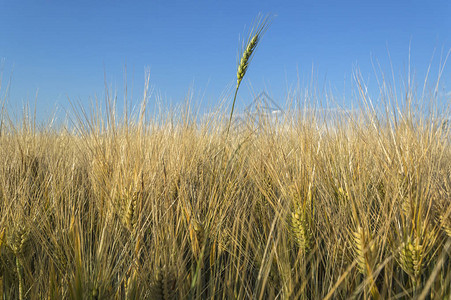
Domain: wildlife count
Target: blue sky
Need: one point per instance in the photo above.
(62, 49)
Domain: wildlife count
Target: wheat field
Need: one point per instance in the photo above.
(305, 206)
(185, 209)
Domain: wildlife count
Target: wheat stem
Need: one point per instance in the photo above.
(20, 279)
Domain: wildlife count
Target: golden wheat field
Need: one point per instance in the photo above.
(349, 206)
(185, 209)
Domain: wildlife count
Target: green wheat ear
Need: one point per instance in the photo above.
(244, 62)
(248, 49)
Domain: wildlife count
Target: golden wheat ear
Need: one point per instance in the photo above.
(256, 32)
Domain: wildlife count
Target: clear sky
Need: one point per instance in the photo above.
(62, 49)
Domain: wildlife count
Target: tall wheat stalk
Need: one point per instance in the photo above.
(246, 54)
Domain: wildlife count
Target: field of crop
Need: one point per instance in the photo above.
(187, 209)
(302, 206)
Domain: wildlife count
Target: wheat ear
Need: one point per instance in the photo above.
(301, 230)
(364, 247)
(18, 241)
(2, 238)
(245, 59)
(131, 291)
(362, 251)
(197, 234)
(130, 212)
(256, 33)
(126, 208)
(163, 285)
(413, 256)
(410, 257)
(445, 223)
